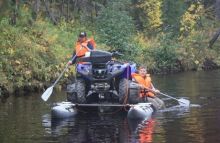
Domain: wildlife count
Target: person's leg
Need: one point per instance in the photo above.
(156, 102)
(153, 102)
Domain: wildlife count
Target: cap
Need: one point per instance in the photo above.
(82, 34)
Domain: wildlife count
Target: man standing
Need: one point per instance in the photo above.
(83, 45)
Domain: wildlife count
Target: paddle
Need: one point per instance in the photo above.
(45, 96)
(182, 102)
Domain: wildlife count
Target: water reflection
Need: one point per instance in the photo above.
(87, 128)
(108, 129)
(142, 130)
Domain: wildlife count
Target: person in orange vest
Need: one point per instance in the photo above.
(82, 46)
(148, 92)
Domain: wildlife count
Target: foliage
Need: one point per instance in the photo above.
(33, 55)
(190, 18)
(150, 15)
(172, 12)
(37, 37)
(115, 28)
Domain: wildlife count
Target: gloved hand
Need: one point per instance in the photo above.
(70, 63)
(142, 87)
(152, 96)
(157, 91)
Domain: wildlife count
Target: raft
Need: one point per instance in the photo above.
(63, 110)
(140, 111)
(135, 111)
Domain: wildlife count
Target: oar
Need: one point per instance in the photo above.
(182, 101)
(49, 90)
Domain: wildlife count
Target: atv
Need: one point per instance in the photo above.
(101, 79)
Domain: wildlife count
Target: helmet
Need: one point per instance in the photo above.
(82, 34)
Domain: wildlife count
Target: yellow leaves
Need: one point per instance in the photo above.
(196, 62)
(51, 39)
(190, 17)
(41, 48)
(11, 51)
(65, 75)
(17, 62)
(28, 72)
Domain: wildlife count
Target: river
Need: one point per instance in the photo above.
(26, 119)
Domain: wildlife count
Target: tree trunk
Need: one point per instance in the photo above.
(36, 8)
(217, 9)
(62, 8)
(214, 38)
(49, 13)
(68, 3)
(15, 13)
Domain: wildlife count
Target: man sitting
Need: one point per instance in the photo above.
(147, 89)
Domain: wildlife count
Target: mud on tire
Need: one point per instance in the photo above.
(134, 92)
(81, 91)
(123, 90)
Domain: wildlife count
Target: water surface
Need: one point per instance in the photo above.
(26, 119)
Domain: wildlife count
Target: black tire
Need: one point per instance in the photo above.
(134, 92)
(81, 91)
(123, 90)
(72, 97)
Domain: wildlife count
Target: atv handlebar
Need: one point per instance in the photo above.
(116, 53)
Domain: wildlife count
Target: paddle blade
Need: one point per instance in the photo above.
(47, 93)
(184, 102)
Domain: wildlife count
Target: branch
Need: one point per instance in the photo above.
(214, 38)
(49, 13)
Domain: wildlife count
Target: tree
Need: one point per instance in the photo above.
(150, 15)
(115, 27)
(190, 17)
(172, 12)
(217, 9)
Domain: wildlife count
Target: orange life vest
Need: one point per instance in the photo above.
(146, 82)
(82, 48)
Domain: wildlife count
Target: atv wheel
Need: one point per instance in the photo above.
(80, 89)
(123, 90)
(134, 92)
(72, 97)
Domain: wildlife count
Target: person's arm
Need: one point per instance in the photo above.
(154, 89)
(91, 44)
(72, 60)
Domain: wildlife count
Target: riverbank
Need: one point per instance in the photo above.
(33, 56)
(34, 51)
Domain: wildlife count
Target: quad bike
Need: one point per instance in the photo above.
(99, 79)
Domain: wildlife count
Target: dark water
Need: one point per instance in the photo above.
(26, 119)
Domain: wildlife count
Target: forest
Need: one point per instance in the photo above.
(37, 37)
